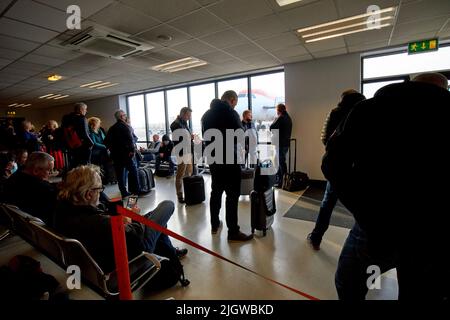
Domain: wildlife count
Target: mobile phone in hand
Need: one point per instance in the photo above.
(131, 202)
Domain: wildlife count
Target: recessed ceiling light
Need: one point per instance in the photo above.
(164, 37)
(347, 26)
(54, 77)
(286, 2)
(180, 64)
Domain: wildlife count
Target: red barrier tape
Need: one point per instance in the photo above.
(128, 213)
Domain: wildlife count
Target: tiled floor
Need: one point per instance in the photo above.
(283, 255)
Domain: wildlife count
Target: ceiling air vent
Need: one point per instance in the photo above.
(107, 43)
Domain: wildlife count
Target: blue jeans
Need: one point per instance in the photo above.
(351, 274)
(161, 216)
(329, 201)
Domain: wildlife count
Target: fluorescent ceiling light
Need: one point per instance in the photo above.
(61, 97)
(286, 2)
(347, 26)
(13, 105)
(26, 105)
(107, 85)
(99, 85)
(53, 96)
(20, 105)
(346, 33)
(89, 84)
(180, 64)
(47, 95)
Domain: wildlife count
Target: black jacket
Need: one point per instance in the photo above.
(31, 194)
(179, 123)
(166, 149)
(284, 124)
(119, 140)
(338, 114)
(221, 116)
(79, 122)
(92, 227)
(385, 162)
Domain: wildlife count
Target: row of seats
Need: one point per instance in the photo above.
(66, 252)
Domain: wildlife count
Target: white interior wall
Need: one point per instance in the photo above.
(313, 88)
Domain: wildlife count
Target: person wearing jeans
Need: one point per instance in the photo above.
(283, 123)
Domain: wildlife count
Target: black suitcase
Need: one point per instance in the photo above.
(296, 180)
(194, 189)
(163, 171)
(263, 210)
(109, 172)
(146, 179)
(247, 181)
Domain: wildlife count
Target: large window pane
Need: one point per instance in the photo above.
(267, 92)
(241, 88)
(201, 97)
(176, 99)
(402, 63)
(156, 114)
(137, 115)
(369, 89)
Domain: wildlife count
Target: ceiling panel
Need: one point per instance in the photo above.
(37, 14)
(405, 39)
(199, 23)
(25, 31)
(279, 41)
(309, 15)
(194, 48)
(177, 36)
(57, 52)
(351, 8)
(325, 45)
(291, 51)
(17, 44)
(165, 55)
(238, 11)
(207, 2)
(124, 18)
(34, 58)
(163, 10)
(274, 5)
(426, 25)
(10, 54)
(225, 39)
(305, 57)
(4, 62)
(423, 9)
(216, 57)
(368, 36)
(367, 47)
(244, 50)
(88, 7)
(263, 27)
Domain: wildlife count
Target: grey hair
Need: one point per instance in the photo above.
(118, 113)
(78, 106)
(38, 160)
(435, 78)
(228, 95)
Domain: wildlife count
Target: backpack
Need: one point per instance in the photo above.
(73, 141)
(171, 270)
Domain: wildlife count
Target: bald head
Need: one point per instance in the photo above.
(435, 78)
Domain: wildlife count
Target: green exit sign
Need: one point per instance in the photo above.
(423, 46)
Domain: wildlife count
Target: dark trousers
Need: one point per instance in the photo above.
(79, 156)
(282, 167)
(423, 272)
(329, 201)
(123, 166)
(225, 178)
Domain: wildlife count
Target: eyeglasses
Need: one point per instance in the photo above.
(101, 189)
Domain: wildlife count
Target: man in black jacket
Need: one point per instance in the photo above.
(79, 153)
(164, 154)
(385, 162)
(184, 160)
(225, 177)
(284, 126)
(119, 140)
(30, 190)
(349, 99)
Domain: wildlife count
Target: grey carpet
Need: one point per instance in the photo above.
(307, 208)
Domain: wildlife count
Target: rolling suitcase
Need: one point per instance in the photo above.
(146, 179)
(247, 180)
(263, 210)
(296, 180)
(194, 189)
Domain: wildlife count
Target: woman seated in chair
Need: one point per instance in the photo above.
(77, 216)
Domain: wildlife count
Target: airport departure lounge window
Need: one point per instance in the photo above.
(156, 116)
(137, 116)
(369, 89)
(241, 87)
(201, 97)
(176, 99)
(267, 91)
